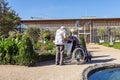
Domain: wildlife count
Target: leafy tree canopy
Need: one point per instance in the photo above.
(8, 19)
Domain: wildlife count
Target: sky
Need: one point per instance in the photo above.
(65, 9)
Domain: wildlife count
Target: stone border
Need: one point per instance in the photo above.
(97, 67)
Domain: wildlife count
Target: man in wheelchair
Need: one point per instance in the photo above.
(74, 40)
(78, 51)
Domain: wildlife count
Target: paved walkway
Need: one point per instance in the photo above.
(49, 71)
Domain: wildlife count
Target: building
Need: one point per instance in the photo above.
(94, 29)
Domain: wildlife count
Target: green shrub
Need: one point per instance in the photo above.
(83, 41)
(15, 35)
(19, 50)
(26, 55)
(46, 36)
(106, 44)
(8, 49)
(16, 51)
(99, 43)
(50, 46)
(46, 51)
(33, 33)
(37, 45)
(46, 57)
(19, 36)
(116, 45)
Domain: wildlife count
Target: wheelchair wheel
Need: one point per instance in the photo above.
(78, 55)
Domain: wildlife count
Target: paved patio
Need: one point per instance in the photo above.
(49, 71)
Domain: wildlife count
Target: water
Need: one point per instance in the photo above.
(110, 74)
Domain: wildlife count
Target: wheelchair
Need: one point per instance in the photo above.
(76, 52)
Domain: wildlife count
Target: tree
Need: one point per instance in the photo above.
(33, 33)
(101, 32)
(8, 19)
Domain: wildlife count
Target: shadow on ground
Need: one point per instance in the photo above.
(45, 63)
(93, 51)
(100, 56)
(102, 60)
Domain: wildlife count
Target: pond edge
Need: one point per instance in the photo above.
(97, 67)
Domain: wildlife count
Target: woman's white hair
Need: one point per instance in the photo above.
(72, 30)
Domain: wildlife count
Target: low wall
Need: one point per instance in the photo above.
(98, 67)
